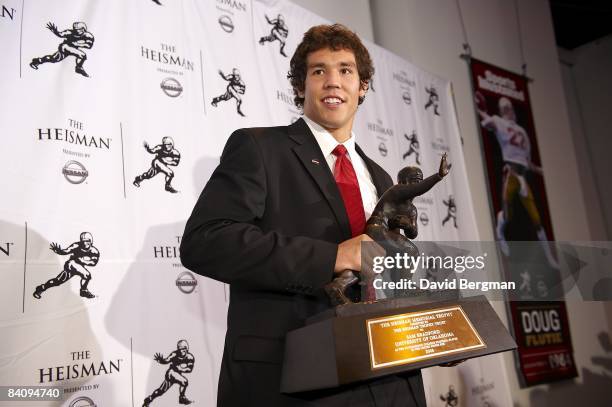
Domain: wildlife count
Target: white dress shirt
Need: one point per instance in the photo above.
(327, 143)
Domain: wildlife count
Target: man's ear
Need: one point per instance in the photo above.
(301, 93)
(363, 89)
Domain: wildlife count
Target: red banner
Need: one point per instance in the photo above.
(522, 224)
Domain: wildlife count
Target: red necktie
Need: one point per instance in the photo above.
(345, 176)
(349, 189)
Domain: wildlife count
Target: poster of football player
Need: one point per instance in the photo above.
(522, 224)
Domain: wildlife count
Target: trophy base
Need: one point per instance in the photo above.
(357, 342)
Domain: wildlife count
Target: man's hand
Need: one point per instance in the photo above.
(55, 248)
(350, 256)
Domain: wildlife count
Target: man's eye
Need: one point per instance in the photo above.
(317, 72)
(346, 71)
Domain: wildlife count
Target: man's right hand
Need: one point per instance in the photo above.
(350, 255)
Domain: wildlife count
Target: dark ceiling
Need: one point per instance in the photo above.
(578, 22)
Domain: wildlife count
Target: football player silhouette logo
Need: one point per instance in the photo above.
(76, 39)
(414, 147)
(451, 398)
(452, 211)
(235, 88)
(433, 100)
(181, 361)
(278, 33)
(166, 156)
(83, 254)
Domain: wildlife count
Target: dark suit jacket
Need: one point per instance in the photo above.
(268, 223)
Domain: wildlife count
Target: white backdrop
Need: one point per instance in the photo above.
(74, 146)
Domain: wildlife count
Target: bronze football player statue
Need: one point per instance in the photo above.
(394, 213)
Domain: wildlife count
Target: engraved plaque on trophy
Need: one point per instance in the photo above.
(414, 336)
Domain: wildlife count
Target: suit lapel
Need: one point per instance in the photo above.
(378, 177)
(309, 153)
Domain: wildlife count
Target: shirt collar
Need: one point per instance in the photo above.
(326, 141)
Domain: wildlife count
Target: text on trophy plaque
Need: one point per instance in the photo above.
(414, 336)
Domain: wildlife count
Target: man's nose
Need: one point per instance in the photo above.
(332, 79)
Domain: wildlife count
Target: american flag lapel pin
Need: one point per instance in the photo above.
(315, 161)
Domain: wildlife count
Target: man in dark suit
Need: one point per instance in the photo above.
(281, 216)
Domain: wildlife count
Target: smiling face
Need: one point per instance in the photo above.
(332, 90)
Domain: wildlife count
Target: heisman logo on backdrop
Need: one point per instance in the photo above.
(228, 5)
(75, 172)
(5, 248)
(168, 56)
(227, 8)
(169, 62)
(82, 401)
(75, 40)
(226, 23)
(414, 147)
(6, 12)
(382, 149)
(171, 87)
(166, 156)
(181, 361)
(74, 135)
(405, 84)
(383, 135)
(82, 365)
(433, 100)
(235, 87)
(482, 391)
(407, 97)
(83, 254)
(450, 398)
(278, 32)
(286, 97)
(451, 211)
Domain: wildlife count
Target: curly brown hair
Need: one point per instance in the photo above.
(335, 37)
